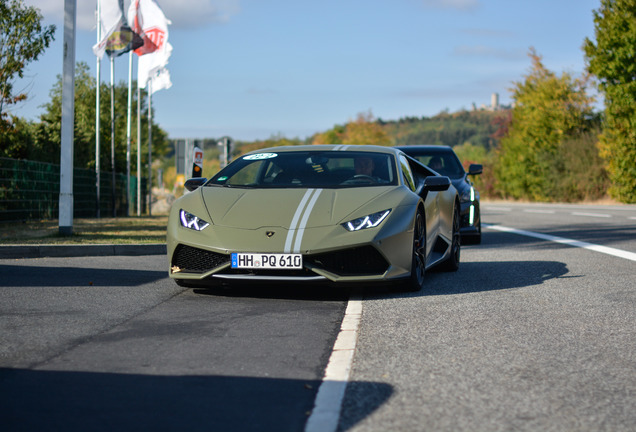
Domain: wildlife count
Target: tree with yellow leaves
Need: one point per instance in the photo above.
(550, 116)
(363, 130)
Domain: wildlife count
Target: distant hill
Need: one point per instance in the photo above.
(475, 127)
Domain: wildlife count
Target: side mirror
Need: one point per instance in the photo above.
(436, 184)
(194, 183)
(475, 169)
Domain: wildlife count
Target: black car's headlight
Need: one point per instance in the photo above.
(468, 195)
(370, 221)
(191, 221)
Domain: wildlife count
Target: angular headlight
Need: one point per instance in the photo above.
(189, 220)
(468, 196)
(370, 221)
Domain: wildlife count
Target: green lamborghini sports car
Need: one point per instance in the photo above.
(318, 213)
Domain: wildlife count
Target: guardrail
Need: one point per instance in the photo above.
(30, 190)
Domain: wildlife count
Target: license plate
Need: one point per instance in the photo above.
(267, 261)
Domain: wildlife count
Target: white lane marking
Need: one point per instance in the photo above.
(295, 219)
(326, 413)
(585, 245)
(591, 214)
(506, 209)
(632, 218)
(303, 222)
(539, 211)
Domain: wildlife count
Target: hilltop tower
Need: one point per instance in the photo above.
(494, 101)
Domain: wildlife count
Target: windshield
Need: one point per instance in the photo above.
(326, 169)
(445, 164)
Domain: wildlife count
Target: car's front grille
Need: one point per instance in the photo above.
(194, 260)
(465, 221)
(360, 261)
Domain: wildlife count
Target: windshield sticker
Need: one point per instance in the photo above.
(221, 178)
(260, 156)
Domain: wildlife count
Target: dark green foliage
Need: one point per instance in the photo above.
(472, 154)
(578, 172)
(47, 133)
(612, 59)
(16, 139)
(30, 190)
(474, 127)
(549, 139)
(22, 40)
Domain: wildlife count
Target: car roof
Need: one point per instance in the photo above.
(430, 149)
(329, 147)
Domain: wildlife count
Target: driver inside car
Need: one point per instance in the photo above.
(364, 166)
(370, 169)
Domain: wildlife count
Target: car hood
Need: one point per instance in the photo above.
(257, 208)
(460, 183)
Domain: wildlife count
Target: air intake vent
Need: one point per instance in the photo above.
(363, 261)
(195, 260)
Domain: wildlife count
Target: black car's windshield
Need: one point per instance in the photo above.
(326, 169)
(445, 163)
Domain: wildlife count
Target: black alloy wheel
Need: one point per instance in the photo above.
(452, 262)
(477, 239)
(418, 264)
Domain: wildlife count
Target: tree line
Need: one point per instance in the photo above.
(22, 40)
(41, 140)
(550, 146)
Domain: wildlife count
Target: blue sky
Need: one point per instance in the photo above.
(251, 69)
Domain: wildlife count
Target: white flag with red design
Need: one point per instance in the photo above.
(117, 38)
(146, 18)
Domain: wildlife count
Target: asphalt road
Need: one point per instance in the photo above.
(527, 335)
(110, 343)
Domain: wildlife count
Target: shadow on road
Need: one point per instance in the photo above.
(295, 291)
(481, 276)
(39, 276)
(81, 401)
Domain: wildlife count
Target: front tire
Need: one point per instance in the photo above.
(477, 239)
(418, 264)
(473, 239)
(452, 262)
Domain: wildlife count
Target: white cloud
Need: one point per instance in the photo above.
(462, 5)
(261, 91)
(490, 33)
(488, 51)
(53, 12)
(183, 14)
(199, 13)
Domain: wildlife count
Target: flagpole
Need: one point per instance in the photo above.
(112, 130)
(65, 210)
(150, 147)
(138, 150)
(97, 111)
(128, 126)
(153, 28)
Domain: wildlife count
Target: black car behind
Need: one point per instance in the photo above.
(443, 160)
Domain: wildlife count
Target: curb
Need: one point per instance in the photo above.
(47, 251)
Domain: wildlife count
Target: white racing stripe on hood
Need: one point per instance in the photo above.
(294, 222)
(299, 221)
(303, 222)
(341, 147)
(302, 213)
